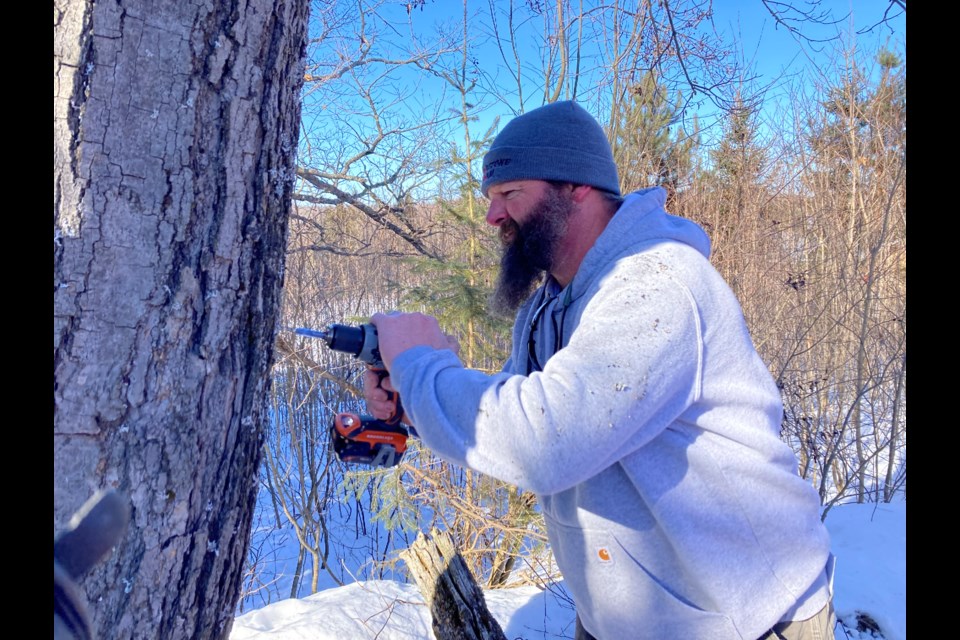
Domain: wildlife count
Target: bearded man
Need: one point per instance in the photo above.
(633, 404)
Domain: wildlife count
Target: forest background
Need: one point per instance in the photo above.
(224, 172)
(797, 172)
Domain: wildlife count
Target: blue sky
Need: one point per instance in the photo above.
(784, 63)
(785, 60)
(775, 51)
(776, 55)
(764, 43)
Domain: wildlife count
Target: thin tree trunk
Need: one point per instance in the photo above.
(175, 133)
(298, 572)
(893, 450)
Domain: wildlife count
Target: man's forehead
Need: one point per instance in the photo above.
(512, 185)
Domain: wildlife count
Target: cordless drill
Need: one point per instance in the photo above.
(363, 439)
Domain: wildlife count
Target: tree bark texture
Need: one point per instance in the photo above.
(456, 601)
(175, 135)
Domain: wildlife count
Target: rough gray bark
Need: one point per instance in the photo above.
(175, 132)
(456, 601)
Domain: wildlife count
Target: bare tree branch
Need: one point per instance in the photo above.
(414, 238)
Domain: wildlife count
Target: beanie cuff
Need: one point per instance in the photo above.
(559, 141)
(504, 164)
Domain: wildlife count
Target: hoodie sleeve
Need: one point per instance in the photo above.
(632, 365)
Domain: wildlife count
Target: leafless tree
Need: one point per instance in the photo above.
(842, 355)
(175, 132)
(373, 133)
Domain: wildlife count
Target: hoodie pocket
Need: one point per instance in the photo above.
(618, 597)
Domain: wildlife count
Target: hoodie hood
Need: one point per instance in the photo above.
(640, 221)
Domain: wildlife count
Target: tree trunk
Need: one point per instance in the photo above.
(175, 133)
(455, 599)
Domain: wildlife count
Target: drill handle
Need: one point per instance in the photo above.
(392, 396)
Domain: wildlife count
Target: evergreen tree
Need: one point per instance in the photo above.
(738, 161)
(735, 180)
(488, 517)
(649, 145)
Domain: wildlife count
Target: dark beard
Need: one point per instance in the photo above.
(529, 251)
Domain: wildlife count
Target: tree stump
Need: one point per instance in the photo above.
(455, 599)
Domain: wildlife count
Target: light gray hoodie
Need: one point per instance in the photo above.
(651, 438)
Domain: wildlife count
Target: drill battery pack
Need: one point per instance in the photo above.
(365, 440)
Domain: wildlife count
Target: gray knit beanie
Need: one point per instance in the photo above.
(558, 141)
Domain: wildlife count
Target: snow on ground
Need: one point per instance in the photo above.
(869, 541)
(392, 610)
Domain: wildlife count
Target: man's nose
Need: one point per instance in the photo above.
(496, 214)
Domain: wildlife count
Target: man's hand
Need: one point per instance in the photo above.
(397, 332)
(377, 394)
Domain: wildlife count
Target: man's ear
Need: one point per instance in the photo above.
(581, 191)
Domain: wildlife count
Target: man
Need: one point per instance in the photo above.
(633, 404)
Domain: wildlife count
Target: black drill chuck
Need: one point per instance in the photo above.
(360, 341)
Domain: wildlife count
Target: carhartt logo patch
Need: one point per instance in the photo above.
(604, 555)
